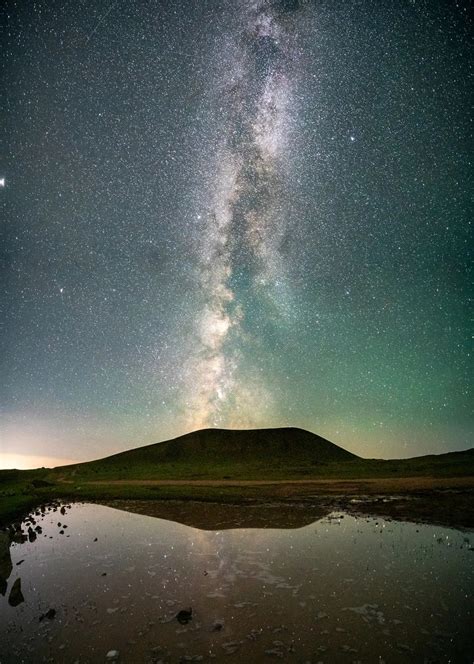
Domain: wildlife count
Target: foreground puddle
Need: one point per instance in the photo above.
(113, 585)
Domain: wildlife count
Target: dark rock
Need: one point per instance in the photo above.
(184, 616)
(19, 537)
(31, 534)
(5, 562)
(16, 596)
(50, 614)
(20, 561)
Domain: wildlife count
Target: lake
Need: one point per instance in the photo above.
(198, 582)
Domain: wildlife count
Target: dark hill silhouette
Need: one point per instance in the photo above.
(202, 451)
(239, 445)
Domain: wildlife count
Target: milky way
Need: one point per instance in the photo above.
(244, 228)
(239, 213)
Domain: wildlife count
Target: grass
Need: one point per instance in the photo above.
(276, 470)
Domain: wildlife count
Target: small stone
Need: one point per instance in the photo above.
(184, 616)
(16, 596)
(273, 652)
(113, 655)
(50, 613)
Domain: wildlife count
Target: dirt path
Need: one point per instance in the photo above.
(326, 486)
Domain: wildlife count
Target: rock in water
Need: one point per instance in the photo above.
(50, 613)
(113, 655)
(16, 596)
(184, 616)
(5, 562)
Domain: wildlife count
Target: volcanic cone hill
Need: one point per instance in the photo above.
(257, 454)
(220, 452)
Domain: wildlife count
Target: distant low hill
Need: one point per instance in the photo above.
(281, 453)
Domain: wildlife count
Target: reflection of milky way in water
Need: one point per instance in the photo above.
(339, 589)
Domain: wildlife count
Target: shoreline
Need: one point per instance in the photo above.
(441, 501)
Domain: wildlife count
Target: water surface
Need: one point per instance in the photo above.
(336, 589)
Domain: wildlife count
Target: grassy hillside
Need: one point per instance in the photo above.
(286, 453)
(222, 454)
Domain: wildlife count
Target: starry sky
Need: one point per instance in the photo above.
(234, 213)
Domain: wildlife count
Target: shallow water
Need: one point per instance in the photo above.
(335, 590)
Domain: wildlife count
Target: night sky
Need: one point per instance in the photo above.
(235, 213)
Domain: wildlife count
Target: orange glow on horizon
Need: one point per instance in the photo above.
(30, 461)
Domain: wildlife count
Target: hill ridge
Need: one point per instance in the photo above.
(218, 446)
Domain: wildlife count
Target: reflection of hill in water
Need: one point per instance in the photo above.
(446, 508)
(214, 516)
